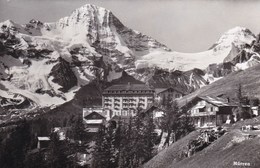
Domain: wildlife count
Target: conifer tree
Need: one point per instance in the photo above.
(58, 152)
(79, 136)
(127, 146)
(16, 146)
(149, 138)
(111, 151)
(125, 155)
(104, 151)
(241, 101)
(98, 154)
(34, 160)
(119, 139)
(184, 125)
(137, 141)
(170, 118)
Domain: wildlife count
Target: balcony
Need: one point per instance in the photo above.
(141, 104)
(125, 100)
(200, 114)
(117, 100)
(141, 100)
(107, 100)
(107, 104)
(117, 104)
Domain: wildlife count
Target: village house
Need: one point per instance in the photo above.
(94, 119)
(43, 141)
(163, 93)
(209, 111)
(99, 109)
(123, 99)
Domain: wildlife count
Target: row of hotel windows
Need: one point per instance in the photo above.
(130, 91)
(127, 99)
(124, 113)
(125, 105)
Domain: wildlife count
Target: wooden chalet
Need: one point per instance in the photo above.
(208, 111)
(93, 121)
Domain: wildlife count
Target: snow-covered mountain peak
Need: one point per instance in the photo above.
(9, 25)
(238, 36)
(85, 15)
(89, 8)
(46, 63)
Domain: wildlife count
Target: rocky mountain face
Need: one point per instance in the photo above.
(45, 64)
(186, 81)
(239, 58)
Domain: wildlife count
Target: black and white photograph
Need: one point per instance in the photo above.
(129, 83)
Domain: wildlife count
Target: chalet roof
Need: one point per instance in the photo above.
(128, 87)
(88, 110)
(94, 113)
(216, 101)
(199, 107)
(160, 90)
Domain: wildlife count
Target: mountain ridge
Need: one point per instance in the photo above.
(45, 64)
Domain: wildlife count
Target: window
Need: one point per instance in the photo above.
(210, 109)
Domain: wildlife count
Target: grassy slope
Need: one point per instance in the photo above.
(249, 79)
(216, 155)
(222, 153)
(166, 156)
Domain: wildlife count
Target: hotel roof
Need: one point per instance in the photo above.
(217, 101)
(129, 87)
(160, 90)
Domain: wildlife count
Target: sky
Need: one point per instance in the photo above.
(182, 25)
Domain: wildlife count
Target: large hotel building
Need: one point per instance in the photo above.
(123, 100)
